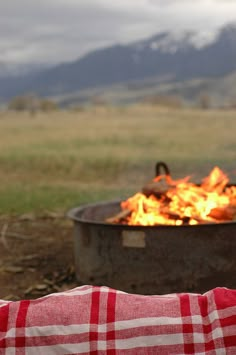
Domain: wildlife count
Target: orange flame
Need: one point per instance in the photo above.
(184, 202)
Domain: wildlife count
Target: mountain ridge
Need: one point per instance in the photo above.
(163, 55)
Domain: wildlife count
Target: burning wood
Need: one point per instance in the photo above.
(178, 202)
(156, 188)
(122, 215)
(227, 213)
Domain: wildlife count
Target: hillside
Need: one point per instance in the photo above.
(221, 92)
(167, 63)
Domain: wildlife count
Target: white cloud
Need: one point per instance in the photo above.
(59, 30)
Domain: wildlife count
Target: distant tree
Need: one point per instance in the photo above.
(32, 104)
(98, 101)
(232, 103)
(204, 101)
(24, 103)
(18, 103)
(164, 100)
(48, 105)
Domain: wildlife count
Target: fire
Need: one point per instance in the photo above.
(165, 201)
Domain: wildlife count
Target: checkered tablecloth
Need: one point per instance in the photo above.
(100, 320)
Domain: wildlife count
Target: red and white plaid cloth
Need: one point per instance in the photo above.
(100, 320)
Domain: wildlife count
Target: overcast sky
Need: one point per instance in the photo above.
(52, 31)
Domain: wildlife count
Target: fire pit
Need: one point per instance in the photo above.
(152, 259)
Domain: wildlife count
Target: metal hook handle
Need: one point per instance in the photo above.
(161, 165)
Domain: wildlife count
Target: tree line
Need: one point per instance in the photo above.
(32, 103)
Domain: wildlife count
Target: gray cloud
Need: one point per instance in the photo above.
(59, 30)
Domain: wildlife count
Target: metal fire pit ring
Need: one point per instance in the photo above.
(151, 259)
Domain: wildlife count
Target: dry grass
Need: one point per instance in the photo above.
(60, 159)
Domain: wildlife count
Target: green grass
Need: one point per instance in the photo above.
(59, 160)
(19, 199)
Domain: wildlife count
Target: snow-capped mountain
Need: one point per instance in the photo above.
(177, 41)
(172, 56)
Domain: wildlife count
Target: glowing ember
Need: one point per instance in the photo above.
(177, 202)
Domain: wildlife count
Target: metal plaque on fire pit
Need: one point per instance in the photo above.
(133, 239)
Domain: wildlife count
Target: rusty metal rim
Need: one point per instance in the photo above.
(73, 214)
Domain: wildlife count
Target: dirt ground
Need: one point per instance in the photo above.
(36, 256)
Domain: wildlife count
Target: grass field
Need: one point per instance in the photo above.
(60, 160)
